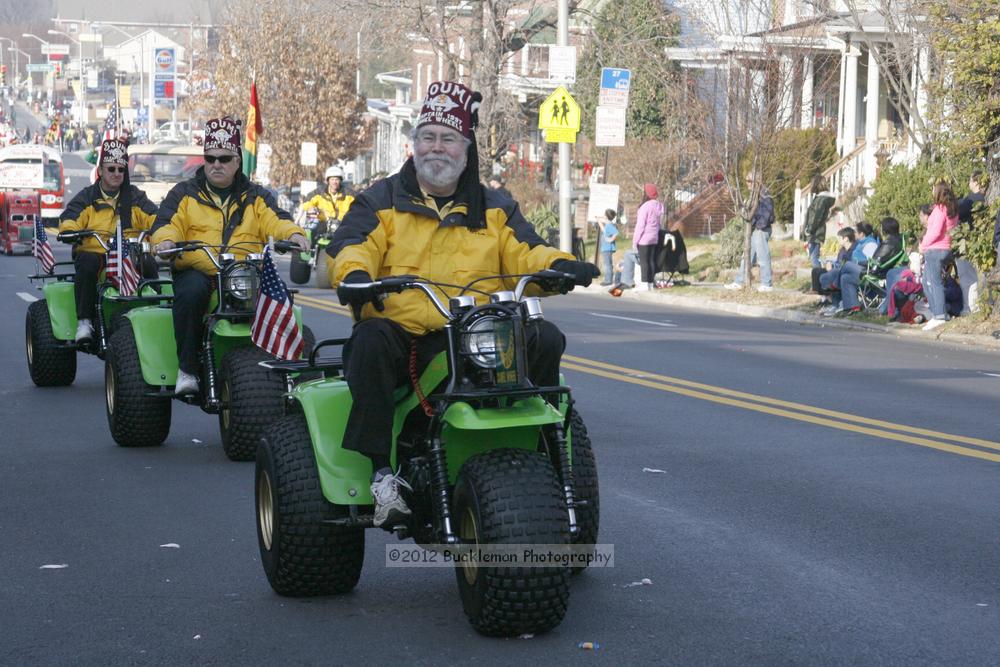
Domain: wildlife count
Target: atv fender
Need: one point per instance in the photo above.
(61, 302)
(228, 335)
(154, 338)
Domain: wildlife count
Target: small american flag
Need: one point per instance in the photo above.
(112, 124)
(121, 270)
(41, 249)
(274, 328)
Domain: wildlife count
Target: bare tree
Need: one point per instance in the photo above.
(305, 83)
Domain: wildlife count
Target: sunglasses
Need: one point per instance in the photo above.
(222, 159)
(115, 170)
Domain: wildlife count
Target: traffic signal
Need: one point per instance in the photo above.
(3, 75)
(57, 68)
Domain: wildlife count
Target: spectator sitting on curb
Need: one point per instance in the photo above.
(895, 274)
(892, 245)
(828, 282)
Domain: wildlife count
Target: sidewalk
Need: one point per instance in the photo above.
(675, 296)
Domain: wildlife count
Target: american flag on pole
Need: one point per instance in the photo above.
(121, 270)
(112, 127)
(40, 247)
(274, 329)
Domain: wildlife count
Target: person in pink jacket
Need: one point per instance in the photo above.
(936, 249)
(647, 232)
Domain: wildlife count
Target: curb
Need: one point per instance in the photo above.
(795, 316)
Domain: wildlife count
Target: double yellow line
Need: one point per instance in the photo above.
(911, 435)
(843, 421)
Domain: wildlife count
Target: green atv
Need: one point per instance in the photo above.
(489, 458)
(319, 232)
(50, 327)
(141, 368)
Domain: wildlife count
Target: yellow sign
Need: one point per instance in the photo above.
(560, 136)
(559, 112)
(125, 97)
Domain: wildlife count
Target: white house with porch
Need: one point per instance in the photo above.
(830, 77)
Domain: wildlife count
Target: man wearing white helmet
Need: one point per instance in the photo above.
(333, 204)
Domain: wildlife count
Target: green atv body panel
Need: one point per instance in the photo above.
(345, 475)
(154, 338)
(61, 302)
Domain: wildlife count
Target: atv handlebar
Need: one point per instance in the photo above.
(549, 279)
(280, 247)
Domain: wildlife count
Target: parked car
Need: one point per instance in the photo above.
(157, 168)
(173, 131)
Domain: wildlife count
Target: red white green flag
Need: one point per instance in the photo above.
(255, 127)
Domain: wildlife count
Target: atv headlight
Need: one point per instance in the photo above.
(479, 341)
(241, 282)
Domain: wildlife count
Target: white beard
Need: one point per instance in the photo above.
(440, 171)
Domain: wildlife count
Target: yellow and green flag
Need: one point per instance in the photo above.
(255, 127)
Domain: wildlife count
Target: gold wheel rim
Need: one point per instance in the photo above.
(265, 509)
(109, 388)
(224, 396)
(469, 534)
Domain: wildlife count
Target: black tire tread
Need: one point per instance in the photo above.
(322, 276)
(53, 365)
(308, 558)
(139, 420)
(585, 486)
(520, 503)
(255, 400)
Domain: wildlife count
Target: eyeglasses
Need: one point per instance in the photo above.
(115, 170)
(222, 159)
(430, 138)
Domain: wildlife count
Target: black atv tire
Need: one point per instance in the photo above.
(251, 398)
(50, 362)
(322, 276)
(511, 496)
(588, 517)
(134, 418)
(301, 555)
(300, 269)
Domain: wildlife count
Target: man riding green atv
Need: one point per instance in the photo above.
(491, 457)
(142, 367)
(483, 459)
(52, 326)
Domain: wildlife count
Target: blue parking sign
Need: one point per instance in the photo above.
(615, 85)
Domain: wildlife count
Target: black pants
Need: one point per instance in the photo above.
(647, 260)
(192, 291)
(88, 265)
(376, 362)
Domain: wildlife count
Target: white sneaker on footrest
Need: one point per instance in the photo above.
(186, 383)
(84, 331)
(388, 501)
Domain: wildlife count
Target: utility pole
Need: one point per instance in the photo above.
(565, 187)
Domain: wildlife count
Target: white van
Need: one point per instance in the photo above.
(157, 168)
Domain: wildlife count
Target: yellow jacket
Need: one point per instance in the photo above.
(393, 230)
(190, 212)
(331, 207)
(91, 210)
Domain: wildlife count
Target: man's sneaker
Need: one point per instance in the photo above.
(934, 323)
(84, 331)
(186, 383)
(389, 504)
(830, 311)
(733, 286)
(765, 288)
(848, 312)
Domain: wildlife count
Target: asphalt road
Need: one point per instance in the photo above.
(826, 497)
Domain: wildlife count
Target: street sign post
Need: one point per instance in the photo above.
(40, 67)
(559, 117)
(55, 49)
(562, 64)
(610, 127)
(615, 84)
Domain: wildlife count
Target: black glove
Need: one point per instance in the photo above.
(358, 296)
(583, 272)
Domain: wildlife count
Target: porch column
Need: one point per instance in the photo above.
(808, 115)
(850, 95)
(871, 117)
(918, 82)
(787, 78)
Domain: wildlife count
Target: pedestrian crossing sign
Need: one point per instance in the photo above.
(559, 116)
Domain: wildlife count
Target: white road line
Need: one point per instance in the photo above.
(992, 375)
(27, 297)
(633, 319)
